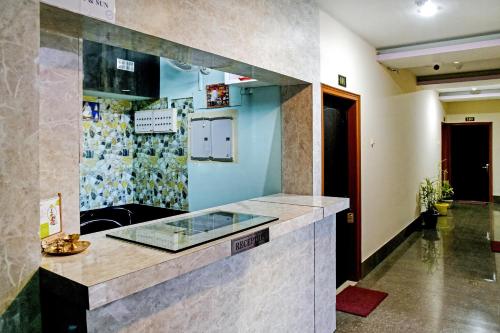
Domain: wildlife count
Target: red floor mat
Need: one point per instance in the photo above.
(359, 301)
(495, 246)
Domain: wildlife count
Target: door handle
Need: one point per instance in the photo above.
(350, 217)
(486, 167)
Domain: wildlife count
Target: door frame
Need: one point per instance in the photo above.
(446, 149)
(354, 139)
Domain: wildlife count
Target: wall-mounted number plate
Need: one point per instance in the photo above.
(125, 65)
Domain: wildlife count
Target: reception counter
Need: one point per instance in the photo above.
(286, 284)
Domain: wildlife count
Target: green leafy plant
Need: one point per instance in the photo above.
(446, 190)
(428, 194)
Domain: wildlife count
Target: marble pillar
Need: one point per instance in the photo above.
(19, 181)
(297, 139)
(60, 109)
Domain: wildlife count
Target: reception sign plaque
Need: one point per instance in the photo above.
(248, 242)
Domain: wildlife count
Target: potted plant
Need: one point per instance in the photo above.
(445, 192)
(428, 199)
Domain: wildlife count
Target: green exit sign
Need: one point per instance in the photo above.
(470, 118)
(342, 81)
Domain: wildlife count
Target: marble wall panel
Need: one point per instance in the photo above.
(59, 123)
(297, 139)
(325, 274)
(317, 138)
(281, 36)
(19, 180)
(269, 288)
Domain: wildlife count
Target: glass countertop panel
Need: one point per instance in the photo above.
(184, 233)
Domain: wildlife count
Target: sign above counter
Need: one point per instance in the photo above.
(100, 9)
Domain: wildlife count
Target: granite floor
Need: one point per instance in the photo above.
(444, 281)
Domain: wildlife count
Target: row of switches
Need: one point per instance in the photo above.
(156, 121)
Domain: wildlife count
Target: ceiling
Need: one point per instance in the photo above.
(467, 91)
(389, 23)
(463, 31)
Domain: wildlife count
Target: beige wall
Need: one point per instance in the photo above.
(59, 139)
(403, 123)
(19, 185)
(483, 111)
(281, 36)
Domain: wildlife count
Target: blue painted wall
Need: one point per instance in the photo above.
(257, 171)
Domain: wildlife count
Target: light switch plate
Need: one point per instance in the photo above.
(165, 121)
(143, 121)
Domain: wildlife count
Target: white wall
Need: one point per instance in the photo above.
(404, 123)
(483, 111)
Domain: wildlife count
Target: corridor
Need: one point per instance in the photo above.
(444, 281)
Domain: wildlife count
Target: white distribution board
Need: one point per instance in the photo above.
(222, 139)
(201, 141)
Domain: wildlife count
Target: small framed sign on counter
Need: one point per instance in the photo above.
(50, 217)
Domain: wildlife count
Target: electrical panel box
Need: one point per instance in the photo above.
(156, 121)
(211, 138)
(143, 121)
(165, 121)
(201, 140)
(222, 139)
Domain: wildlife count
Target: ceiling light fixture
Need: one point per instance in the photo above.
(426, 8)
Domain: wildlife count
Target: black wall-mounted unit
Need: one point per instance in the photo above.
(101, 72)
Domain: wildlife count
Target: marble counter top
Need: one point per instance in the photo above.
(330, 205)
(112, 269)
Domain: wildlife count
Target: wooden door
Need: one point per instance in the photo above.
(467, 152)
(341, 175)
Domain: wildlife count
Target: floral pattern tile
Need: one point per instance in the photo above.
(160, 162)
(106, 166)
(120, 167)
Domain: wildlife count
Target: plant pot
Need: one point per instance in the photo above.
(449, 202)
(442, 208)
(430, 219)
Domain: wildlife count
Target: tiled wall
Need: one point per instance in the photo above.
(106, 167)
(160, 161)
(120, 167)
